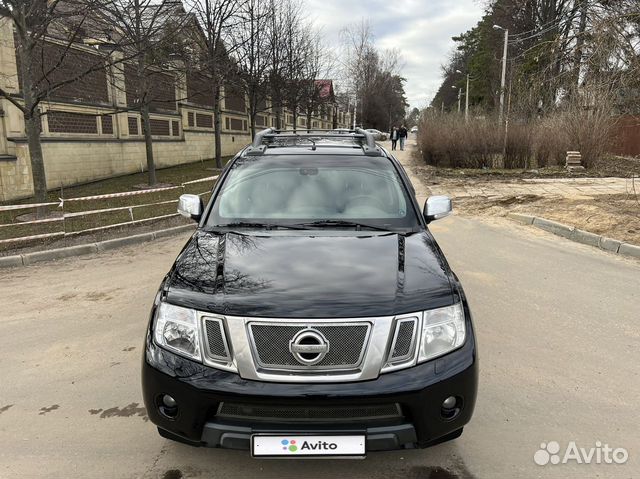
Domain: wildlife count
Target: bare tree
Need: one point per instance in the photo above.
(316, 65)
(358, 50)
(217, 19)
(46, 36)
(253, 55)
(295, 49)
(373, 77)
(146, 31)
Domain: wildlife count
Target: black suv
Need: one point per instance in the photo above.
(312, 312)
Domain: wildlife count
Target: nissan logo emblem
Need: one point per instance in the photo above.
(309, 347)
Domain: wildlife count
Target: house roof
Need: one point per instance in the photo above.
(326, 89)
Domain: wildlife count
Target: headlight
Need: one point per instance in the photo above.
(176, 329)
(443, 330)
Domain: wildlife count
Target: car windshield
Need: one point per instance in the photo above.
(322, 191)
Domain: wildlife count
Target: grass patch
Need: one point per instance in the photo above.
(175, 175)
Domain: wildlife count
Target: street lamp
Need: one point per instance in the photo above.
(504, 68)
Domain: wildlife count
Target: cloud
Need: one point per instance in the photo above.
(420, 29)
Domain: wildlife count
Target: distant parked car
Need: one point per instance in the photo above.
(378, 135)
(414, 129)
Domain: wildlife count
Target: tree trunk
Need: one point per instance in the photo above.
(252, 121)
(32, 117)
(148, 141)
(577, 62)
(32, 128)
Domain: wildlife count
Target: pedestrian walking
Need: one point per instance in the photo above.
(402, 136)
(394, 138)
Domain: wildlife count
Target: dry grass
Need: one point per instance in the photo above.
(448, 141)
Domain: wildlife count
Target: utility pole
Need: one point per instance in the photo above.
(466, 99)
(466, 102)
(355, 113)
(504, 69)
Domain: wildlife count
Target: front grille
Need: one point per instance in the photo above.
(347, 344)
(357, 413)
(403, 340)
(216, 343)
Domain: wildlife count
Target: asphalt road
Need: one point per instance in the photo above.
(559, 336)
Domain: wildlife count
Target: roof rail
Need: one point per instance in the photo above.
(370, 148)
(258, 147)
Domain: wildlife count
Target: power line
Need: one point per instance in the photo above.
(542, 32)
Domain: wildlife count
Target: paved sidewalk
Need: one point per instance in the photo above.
(547, 187)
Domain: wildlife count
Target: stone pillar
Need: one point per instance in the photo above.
(8, 82)
(118, 93)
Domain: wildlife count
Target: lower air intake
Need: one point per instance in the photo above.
(358, 413)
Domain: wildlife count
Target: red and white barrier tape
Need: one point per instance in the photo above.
(48, 220)
(201, 180)
(26, 206)
(119, 208)
(33, 237)
(101, 228)
(106, 196)
(92, 212)
(116, 195)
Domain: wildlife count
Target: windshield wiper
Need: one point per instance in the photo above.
(355, 224)
(268, 226)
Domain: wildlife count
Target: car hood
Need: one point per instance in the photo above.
(295, 275)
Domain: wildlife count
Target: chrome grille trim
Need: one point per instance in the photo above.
(215, 339)
(404, 340)
(211, 358)
(339, 347)
(373, 363)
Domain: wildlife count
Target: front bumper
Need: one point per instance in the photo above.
(419, 390)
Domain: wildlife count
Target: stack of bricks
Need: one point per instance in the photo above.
(574, 161)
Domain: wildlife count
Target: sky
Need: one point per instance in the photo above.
(420, 29)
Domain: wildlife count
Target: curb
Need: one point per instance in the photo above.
(28, 259)
(579, 236)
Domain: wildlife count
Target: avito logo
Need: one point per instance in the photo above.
(292, 445)
(289, 444)
(319, 446)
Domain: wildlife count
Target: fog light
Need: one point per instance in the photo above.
(168, 401)
(167, 406)
(451, 407)
(448, 403)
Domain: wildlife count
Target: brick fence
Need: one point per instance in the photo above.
(627, 136)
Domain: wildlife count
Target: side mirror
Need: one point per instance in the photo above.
(190, 206)
(437, 207)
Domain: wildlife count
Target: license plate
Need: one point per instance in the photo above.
(270, 445)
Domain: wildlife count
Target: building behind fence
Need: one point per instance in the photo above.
(88, 134)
